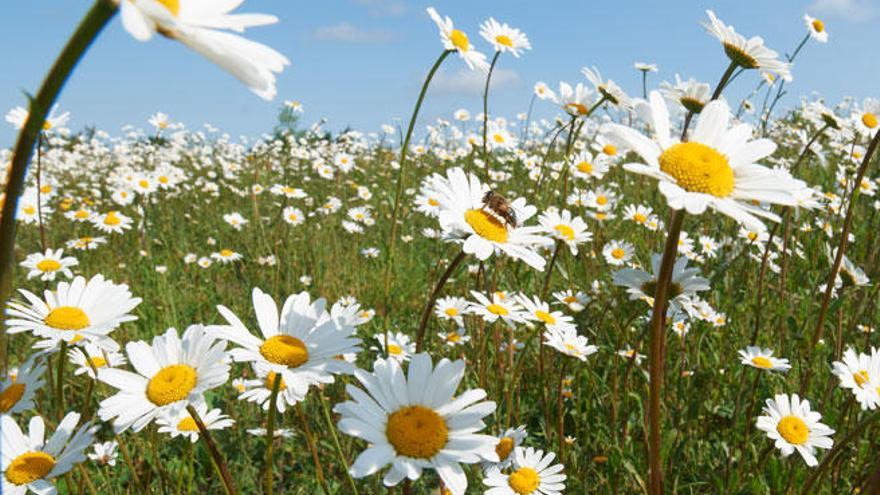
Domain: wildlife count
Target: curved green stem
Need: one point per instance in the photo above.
(219, 463)
(486, 113)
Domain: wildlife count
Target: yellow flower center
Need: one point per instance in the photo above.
(618, 253)
(81, 214)
(416, 431)
(433, 202)
(609, 149)
(640, 218)
(143, 183)
(545, 317)
(565, 232)
(29, 210)
(226, 253)
(173, 6)
(47, 125)
(504, 448)
(861, 378)
(97, 362)
(698, 168)
(163, 179)
(738, 56)
(29, 467)
(285, 349)
(451, 311)
(171, 384)
(762, 362)
(585, 167)
(570, 299)
(524, 480)
(601, 200)
(486, 226)
(793, 430)
(111, 219)
(818, 25)
(67, 318)
(579, 108)
(187, 424)
(459, 40)
(505, 40)
(453, 337)
(10, 396)
(292, 217)
(270, 381)
(394, 349)
(870, 120)
(497, 309)
(46, 189)
(48, 265)
(498, 138)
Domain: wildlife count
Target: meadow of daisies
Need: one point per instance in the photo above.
(667, 292)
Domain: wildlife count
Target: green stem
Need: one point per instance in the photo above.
(89, 28)
(220, 464)
(336, 445)
(486, 113)
(426, 313)
(59, 381)
(270, 432)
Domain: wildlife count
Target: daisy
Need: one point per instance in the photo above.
(82, 214)
(465, 219)
(91, 357)
(104, 453)
(301, 342)
(562, 226)
(534, 474)
(576, 101)
(400, 347)
(112, 222)
(691, 94)
(278, 433)
(790, 422)
(866, 120)
(534, 309)
(235, 220)
(639, 214)
(30, 462)
(544, 92)
(453, 39)
(575, 301)
(586, 166)
(507, 442)
(19, 115)
(75, 310)
(816, 29)
(860, 373)
(715, 168)
(86, 243)
(451, 308)
(609, 90)
(630, 353)
(178, 422)
(160, 121)
(202, 26)
(504, 38)
(567, 341)
(617, 253)
(171, 372)
(500, 306)
(499, 138)
(17, 390)
(412, 422)
(763, 359)
(684, 285)
(456, 337)
(225, 256)
(748, 54)
(48, 265)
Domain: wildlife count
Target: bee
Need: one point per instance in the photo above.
(499, 205)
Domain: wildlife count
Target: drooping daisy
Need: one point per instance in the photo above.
(561, 225)
(464, 218)
(104, 453)
(567, 341)
(202, 26)
(49, 264)
(816, 29)
(793, 426)
(29, 461)
(576, 101)
(608, 89)
(685, 282)
(301, 342)
(17, 389)
(585, 166)
(504, 38)
(507, 443)
(75, 310)
(715, 168)
(177, 421)
(763, 359)
(412, 422)
(617, 253)
(860, 373)
(454, 39)
(748, 54)
(692, 95)
(451, 308)
(91, 357)
(500, 306)
(534, 474)
(172, 371)
(112, 222)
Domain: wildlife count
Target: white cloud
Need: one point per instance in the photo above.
(855, 10)
(348, 33)
(470, 82)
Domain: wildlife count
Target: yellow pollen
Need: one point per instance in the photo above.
(98, 362)
(698, 168)
(171, 384)
(453, 337)
(451, 311)
(81, 214)
(187, 424)
(498, 138)
(143, 183)
(861, 378)
(67, 318)
(46, 189)
(504, 448)
(609, 149)
(173, 6)
(48, 265)
(486, 226)
(752, 236)
(545, 317)
(762, 362)
(111, 219)
(565, 232)
(640, 218)
(76, 338)
(818, 25)
(497, 309)
(416, 431)
(601, 200)
(163, 179)
(10, 396)
(870, 120)
(793, 430)
(618, 253)
(524, 480)
(285, 349)
(570, 299)
(226, 253)
(504, 40)
(47, 125)
(459, 40)
(579, 108)
(433, 202)
(585, 167)
(29, 210)
(293, 217)
(394, 349)
(270, 381)
(29, 467)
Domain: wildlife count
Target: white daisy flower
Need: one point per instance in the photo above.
(504, 38)
(104, 453)
(455, 337)
(177, 421)
(235, 220)
(567, 341)
(19, 115)
(169, 372)
(617, 253)
(111, 222)
(17, 390)
(412, 422)
(507, 442)
(454, 39)
(91, 357)
(608, 89)
(748, 54)
(684, 285)
(860, 373)
(561, 225)
(544, 92)
(585, 166)
(534, 474)
(451, 308)
(226, 256)
(400, 346)
(49, 264)
(534, 309)
(763, 359)
(576, 101)
(500, 306)
(692, 95)
(575, 301)
(816, 29)
(793, 426)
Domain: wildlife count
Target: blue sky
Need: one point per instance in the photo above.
(360, 62)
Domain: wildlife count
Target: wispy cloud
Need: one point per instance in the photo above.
(469, 82)
(348, 33)
(392, 8)
(855, 10)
